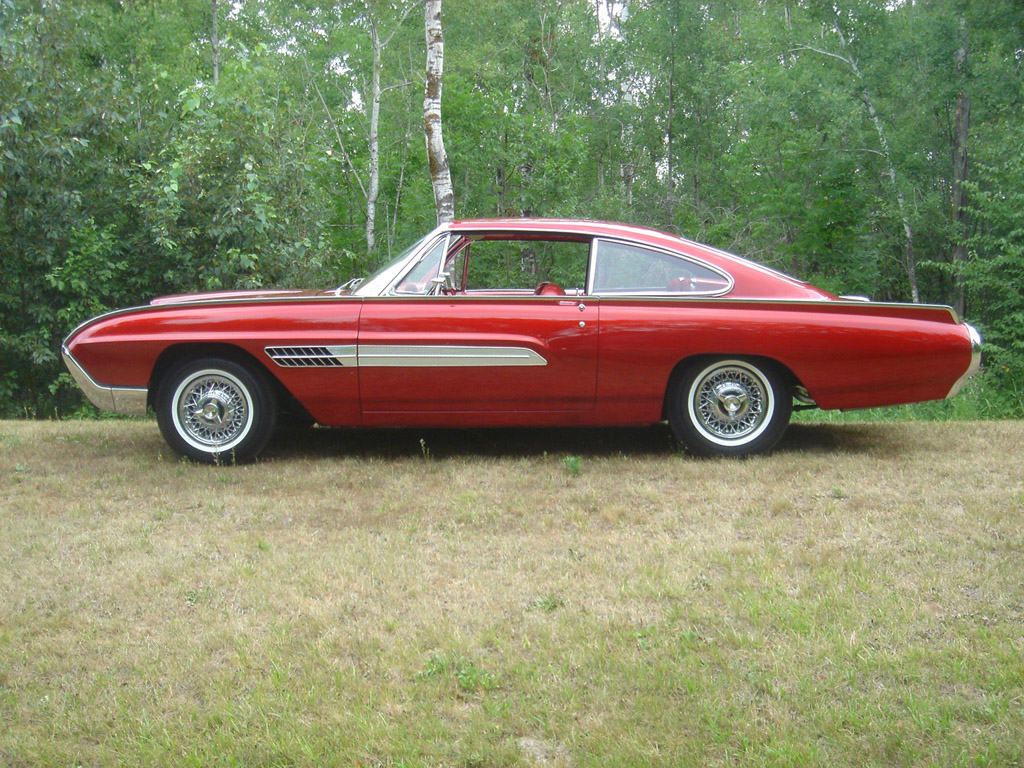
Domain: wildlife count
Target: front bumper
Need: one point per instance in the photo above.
(129, 400)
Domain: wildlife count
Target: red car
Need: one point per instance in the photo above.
(496, 323)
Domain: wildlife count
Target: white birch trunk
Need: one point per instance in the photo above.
(373, 187)
(961, 134)
(437, 157)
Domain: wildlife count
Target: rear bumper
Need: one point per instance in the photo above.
(129, 400)
(975, 360)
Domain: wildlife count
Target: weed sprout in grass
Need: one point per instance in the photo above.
(548, 603)
(454, 666)
(573, 465)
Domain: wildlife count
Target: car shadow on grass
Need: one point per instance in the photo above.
(848, 437)
(588, 442)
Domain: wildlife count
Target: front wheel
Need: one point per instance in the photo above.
(215, 411)
(729, 407)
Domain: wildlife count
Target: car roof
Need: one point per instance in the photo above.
(590, 227)
(753, 280)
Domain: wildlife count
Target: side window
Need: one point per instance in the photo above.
(418, 280)
(520, 266)
(633, 269)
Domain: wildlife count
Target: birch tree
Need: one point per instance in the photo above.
(376, 93)
(440, 171)
(961, 128)
(864, 94)
(375, 18)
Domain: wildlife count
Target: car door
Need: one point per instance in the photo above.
(498, 349)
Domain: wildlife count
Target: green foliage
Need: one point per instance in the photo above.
(215, 199)
(808, 136)
(548, 603)
(995, 269)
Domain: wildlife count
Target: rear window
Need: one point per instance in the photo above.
(623, 268)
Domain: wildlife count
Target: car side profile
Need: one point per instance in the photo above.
(521, 322)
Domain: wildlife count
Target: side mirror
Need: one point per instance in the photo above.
(439, 283)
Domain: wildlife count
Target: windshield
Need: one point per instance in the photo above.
(388, 267)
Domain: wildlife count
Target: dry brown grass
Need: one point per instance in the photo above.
(462, 598)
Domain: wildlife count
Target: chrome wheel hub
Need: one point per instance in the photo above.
(215, 410)
(731, 401)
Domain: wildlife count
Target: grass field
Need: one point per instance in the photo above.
(555, 598)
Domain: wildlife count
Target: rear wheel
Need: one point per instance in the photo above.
(729, 407)
(215, 411)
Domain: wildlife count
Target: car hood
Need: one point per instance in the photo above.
(188, 298)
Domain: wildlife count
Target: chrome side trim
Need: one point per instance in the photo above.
(129, 400)
(313, 357)
(975, 360)
(424, 356)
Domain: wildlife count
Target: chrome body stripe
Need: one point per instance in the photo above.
(345, 353)
(403, 356)
(440, 356)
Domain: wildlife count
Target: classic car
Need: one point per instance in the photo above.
(521, 322)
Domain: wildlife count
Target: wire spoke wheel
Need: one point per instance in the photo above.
(729, 407)
(215, 410)
(730, 403)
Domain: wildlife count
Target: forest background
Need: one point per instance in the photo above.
(873, 147)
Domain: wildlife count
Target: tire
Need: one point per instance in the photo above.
(729, 407)
(216, 411)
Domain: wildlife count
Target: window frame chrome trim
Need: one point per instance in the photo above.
(625, 294)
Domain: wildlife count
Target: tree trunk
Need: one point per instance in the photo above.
(909, 259)
(437, 157)
(214, 42)
(373, 187)
(963, 121)
(961, 128)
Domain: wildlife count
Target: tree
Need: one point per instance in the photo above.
(382, 22)
(834, 22)
(440, 172)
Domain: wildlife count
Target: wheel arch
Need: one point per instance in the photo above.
(190, 351)
(680, 369)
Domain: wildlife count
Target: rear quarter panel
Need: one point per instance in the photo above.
(847, 354)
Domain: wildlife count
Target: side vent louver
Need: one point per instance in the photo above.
(312, 357)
